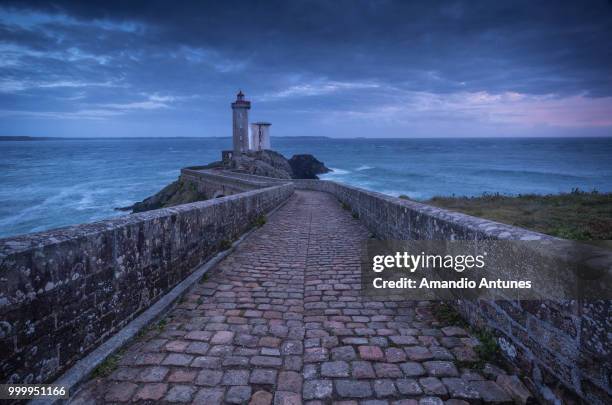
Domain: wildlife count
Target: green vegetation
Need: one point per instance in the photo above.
(578, 215)
(225, 244)
(347, 207)
(259, 221)
(488, 349)
(204, 278)
(161, 325)
(447, 315)
(105, 368)
(111, 363)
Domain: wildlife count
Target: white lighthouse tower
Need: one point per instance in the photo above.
(240, 136)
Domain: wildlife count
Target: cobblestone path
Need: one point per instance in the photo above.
(281, 321)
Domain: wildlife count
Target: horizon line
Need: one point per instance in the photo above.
(34, 138)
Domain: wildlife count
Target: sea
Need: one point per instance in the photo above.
(46, 184)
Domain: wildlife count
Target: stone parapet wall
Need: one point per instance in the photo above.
(216, 183)
(396, 218)
(255, 179)
(563, 348)
(65, 291)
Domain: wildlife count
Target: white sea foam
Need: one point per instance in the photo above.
(37, 209)
(122, 202)
(85, 202)
(364, 167)
(173, 172)
(337, 172)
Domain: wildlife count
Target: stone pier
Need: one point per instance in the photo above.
(282, 321)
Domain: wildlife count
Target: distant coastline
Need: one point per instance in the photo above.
(297, 138)
(26, 138)
(59, 138)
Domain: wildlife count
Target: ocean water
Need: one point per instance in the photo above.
(52, 183)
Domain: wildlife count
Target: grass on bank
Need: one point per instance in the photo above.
(578, 215)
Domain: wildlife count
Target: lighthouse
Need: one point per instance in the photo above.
(240, 116)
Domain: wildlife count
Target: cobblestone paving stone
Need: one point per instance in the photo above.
(281, 321)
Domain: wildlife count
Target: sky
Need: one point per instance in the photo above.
(312, 68)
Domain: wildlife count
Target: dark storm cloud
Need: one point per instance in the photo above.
(366, 59)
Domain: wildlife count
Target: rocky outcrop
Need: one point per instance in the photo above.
(175, 193)
(272, 164)
(307, 167)
(263, 163)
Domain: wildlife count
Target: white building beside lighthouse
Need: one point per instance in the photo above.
(260, 136)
